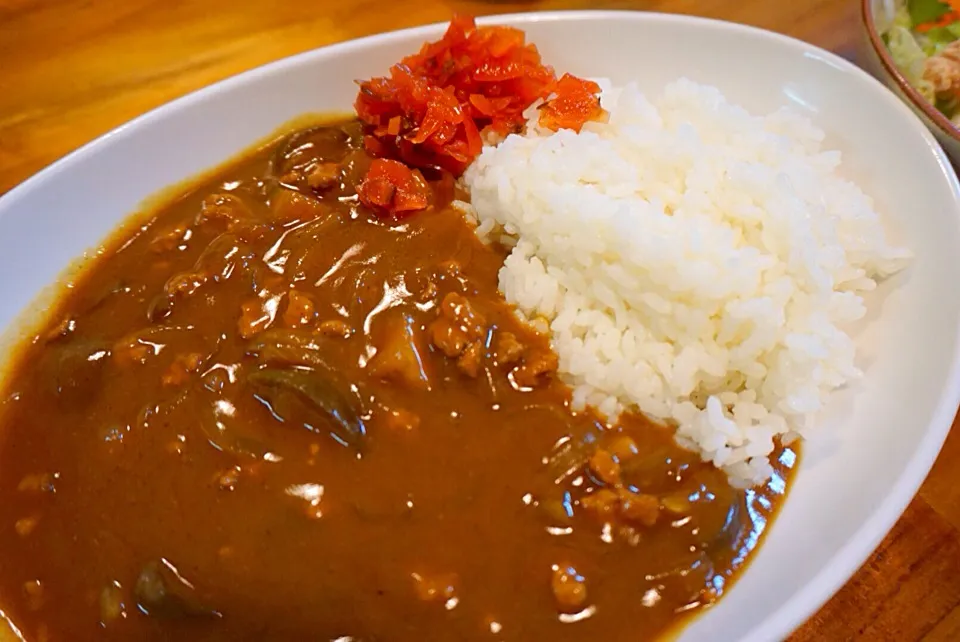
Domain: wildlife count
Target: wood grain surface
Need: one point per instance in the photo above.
(71, 70)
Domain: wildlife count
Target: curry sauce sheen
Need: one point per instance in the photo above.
(270, 414)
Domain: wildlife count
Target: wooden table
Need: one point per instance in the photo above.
(71, 70)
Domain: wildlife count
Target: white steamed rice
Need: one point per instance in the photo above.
(692, 260)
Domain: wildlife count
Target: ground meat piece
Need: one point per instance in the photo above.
(182, 367)
(603, 503)
(224, 208)
(324, 176)
(458, 325)
(639, 507)
(292, 177)
(299, 311)
(536, 367)
(604, 466)
(335, 328)
(507, 348)
(469, 360)
(446, 336)
(254, 318)
(569, 588)
(457, 308)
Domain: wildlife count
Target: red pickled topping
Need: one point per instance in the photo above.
(431, 109)
(575, 103)
(393, 188)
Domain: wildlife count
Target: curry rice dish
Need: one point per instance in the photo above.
(293, 403)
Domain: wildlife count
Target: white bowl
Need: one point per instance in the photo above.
(878, 440)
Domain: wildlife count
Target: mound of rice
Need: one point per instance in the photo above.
(692, 260)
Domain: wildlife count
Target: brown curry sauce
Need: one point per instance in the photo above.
(269, 414)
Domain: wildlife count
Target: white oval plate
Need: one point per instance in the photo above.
(879, 439)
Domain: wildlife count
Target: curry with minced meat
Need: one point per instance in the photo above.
(269, 413)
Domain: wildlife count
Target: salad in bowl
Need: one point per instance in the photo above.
(923, 37)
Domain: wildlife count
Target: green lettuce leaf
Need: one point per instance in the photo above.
(922, 11)
(935, 40)
(909, 56)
